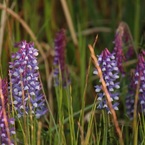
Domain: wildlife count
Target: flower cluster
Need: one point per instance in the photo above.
(118, 49)
(128, 41)
(60, 60)
(6, 123)
(138, 79)
(26, 88)
(110, 70)
(123, 39)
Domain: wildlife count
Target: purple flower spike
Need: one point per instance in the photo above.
(6, 123)
(110, 70)
(60, 59)
(26, 88)
(123, 39)
(118, 49)
(139, 76)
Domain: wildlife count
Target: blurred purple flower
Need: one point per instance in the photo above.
(110, 70)
(60, 59)
(118, 49)
(26, 88)
(123, 39)
(139, 76)
(130, 52)
(6, 123)
(128, 41)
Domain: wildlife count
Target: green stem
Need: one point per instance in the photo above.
(105, 125)
(74, 115)
(135, 124)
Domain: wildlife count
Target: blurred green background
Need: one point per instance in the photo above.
(39, 20)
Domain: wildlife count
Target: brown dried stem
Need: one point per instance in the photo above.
(26, 27)
(71, 28)
(115, 121)
(135, 124)
(2, 27)
(69, 21)
(86, 84)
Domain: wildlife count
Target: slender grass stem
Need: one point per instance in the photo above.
(2, 27)
(135, 124)
(39, 133)
(71, 27)
(90, 125)
(74, 115)
(13, 110)
(71, 119)
(105, 127)
(136, 24)
(26, 139)
(85, 88)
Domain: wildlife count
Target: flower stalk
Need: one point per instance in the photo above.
(25, 81)
(115, 121)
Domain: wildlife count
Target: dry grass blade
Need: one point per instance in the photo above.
(86, 84)
(135, 125)
(39, 133)
(115, 121)
(88, 70)
(69, 21)
(71, 27)
(2, 28)
(26, 27)
(95, 30)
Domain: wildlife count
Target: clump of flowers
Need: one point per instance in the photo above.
(6, 123)
(61, 69)
(26, 88)
(118, 49)
(128, 40)
(138, 79)
(110, 70)
(123, 38)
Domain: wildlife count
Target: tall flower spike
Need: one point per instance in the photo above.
(110, 73)
(118, 49)
(26, 88)
(6, 123)
(60, 59)
(123, 39)
(138, 76)
(128, 40)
